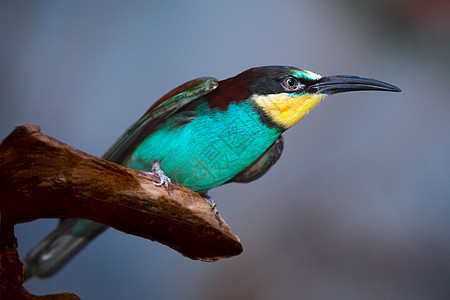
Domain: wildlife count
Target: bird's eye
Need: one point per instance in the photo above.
(291, 84)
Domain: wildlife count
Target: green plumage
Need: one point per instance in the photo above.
(208, 150)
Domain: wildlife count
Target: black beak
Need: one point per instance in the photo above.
(344, 83)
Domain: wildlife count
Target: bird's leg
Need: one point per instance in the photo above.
(163, 179)
(213, 206)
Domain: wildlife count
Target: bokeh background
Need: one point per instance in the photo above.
(358, 207)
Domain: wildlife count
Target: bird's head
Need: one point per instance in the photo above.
(287, 94)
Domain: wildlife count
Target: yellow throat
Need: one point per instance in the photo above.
(287, 109)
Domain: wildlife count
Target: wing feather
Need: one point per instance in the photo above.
(168, 105)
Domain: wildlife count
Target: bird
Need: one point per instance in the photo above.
(203, 134)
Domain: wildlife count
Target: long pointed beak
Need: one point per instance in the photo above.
(345, 83)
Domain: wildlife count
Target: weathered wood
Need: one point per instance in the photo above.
(11, 272)
(41, 177)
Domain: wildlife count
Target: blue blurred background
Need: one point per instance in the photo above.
(358, 207)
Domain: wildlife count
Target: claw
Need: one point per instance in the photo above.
(213, 205)
(163, 178)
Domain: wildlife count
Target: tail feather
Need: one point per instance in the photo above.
(66, 240)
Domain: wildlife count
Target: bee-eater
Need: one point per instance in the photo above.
(206, 133)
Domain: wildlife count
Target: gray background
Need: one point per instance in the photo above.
(358, 207)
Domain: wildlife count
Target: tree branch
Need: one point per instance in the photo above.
(41, 177)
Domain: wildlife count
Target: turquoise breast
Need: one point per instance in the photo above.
(209, 150)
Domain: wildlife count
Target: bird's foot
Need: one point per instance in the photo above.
(163, 178)
(213, 206)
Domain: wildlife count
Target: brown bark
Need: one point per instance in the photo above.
(41, 177)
